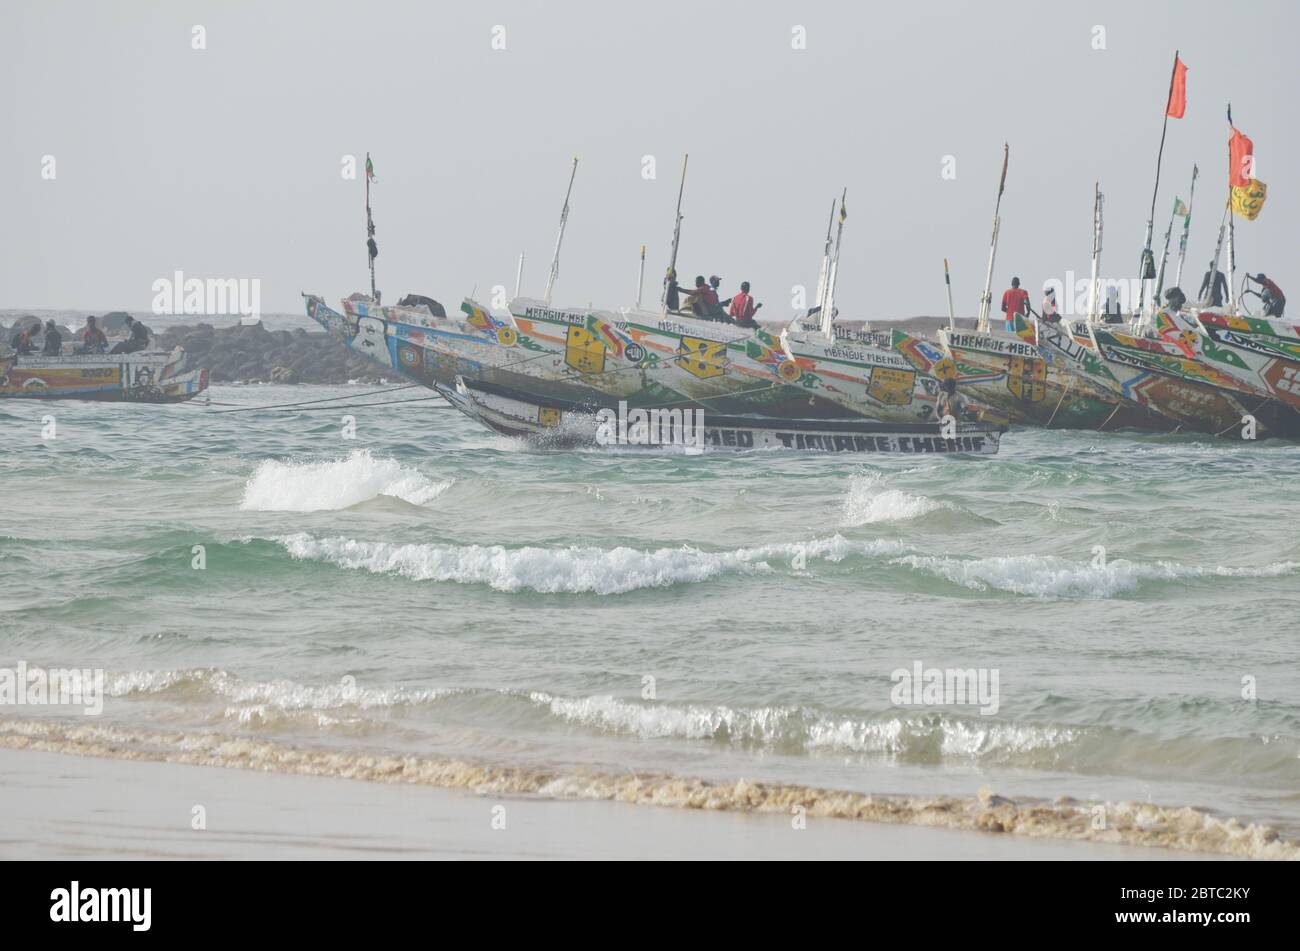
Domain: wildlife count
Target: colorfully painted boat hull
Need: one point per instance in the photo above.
(146, 377)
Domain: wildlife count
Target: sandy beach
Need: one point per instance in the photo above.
(58, 806)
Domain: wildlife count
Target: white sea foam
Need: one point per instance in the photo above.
(279, 694)
(800, 728)
(277, 486)
(1050, 576)
(868, 503)
(572, 569)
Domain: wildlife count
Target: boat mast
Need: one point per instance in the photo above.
(559, 237)
(828, 305)
(947, 282)
(986, 299)
(1164, 259)
(372, 249)
(640, 278)
(519, 274)
(1147, 269)
(671, 276)
(1094, 287)
(1232, 250)
(1187, 225)
(826, 259)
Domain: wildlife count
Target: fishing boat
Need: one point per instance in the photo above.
(594, 422)
(658, 357)
(149, 376)
(1023, 381)
(1126, 366)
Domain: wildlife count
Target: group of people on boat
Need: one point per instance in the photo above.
(703, 301)
(25, 342)
(1015, 300)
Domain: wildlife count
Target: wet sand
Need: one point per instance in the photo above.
(60, 806)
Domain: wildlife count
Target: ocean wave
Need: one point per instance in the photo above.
(277, 486)
(572, 569)
(869, 503)
(1123, 823)
(253, 699)
(917, 737)
(1051, 576)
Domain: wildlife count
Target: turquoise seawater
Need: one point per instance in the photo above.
(428, 587)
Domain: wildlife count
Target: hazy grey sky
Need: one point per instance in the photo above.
(225, 162)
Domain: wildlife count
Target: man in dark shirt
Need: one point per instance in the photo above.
(1214, 288)
(53, 340)
(137, 339)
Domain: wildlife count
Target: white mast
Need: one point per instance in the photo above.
(671, 276)
(519, 274)
(986, 300)
(1187, 225)
(559, 238)
(824, 273)
(1160, 275)
(947, 281)
(828, 305)
(640, 278)
(1094, 286)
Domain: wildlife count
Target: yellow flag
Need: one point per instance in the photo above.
(1248, 199)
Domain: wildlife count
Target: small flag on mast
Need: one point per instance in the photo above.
(1177, 104)
(370, 169)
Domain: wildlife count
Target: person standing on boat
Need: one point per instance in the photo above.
(743, 308)
(671, 299)
(92, 338)
(53, 340)
(1015, 300)
(1272, 296)
(1214, 287)
(1050, 313)
(1112, 304)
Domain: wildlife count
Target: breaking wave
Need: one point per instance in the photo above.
(338, 484)
(573, 569)
(1050, 576)
(1127, 822)
(867, 503)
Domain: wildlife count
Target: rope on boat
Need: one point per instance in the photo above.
(1060, 401)
(329, 399)
(1264, 402)
(1110, 417)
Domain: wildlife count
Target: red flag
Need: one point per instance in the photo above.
(1177, 91)
(1241, 160)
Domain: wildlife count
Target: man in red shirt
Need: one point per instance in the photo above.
(1015, 301)
(703, 300)
(1272, 296)
(743, 307)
